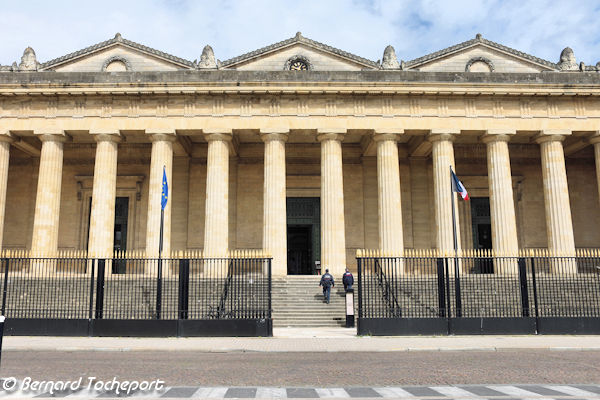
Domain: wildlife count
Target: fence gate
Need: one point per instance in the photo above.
(142, 297)
(478, 295)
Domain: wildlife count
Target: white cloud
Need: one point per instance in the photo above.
(365, 27)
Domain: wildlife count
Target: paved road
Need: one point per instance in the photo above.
(180, 368)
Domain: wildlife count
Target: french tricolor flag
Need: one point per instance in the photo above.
(458, 187)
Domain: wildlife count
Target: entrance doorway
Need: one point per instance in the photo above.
(120, 238)
(299, 249)
(482, 232)
(303, 235)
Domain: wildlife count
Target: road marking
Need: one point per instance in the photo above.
(515, 391)
(572, 391)
(335, 392)
(394, 392)
(271, 393)
(453, 391)
(210, 393)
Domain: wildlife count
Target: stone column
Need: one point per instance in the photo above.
(443, 158)
(391, 240)
(502, 205)
(162, 156)
(333, 235)
(595, 141)
(559, 225)
(5, 141)
(102, 216)
(216, 222)
(44, 242)
(274, 199)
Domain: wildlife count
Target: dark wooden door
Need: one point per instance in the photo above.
(299, 250)
(120, 238)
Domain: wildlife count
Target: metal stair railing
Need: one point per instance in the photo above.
(387, 292)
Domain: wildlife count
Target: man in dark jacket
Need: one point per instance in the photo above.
(347, 280)
(327, 283)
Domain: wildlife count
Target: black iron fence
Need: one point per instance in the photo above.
(124, 295)
(479, 293)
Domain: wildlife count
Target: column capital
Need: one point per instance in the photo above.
(161, 137)
(54, 137)
(380, 136)
(391, 131)
(336, 130)
(595, 138)
(491, 138)
(500, 131)
(438, 135)
(218, 136)
(271, 136)
(544, 138)
(330, 136)
(107, 137)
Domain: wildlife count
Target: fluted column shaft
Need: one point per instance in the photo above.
(102, 216)
(443, 158)
(595, 141)
(44, 242)
(274, 201)
(559, 225)
(5, 141)
(502, 205)
(216, 223)
(162, 156)
(333, 235)
(391, 240)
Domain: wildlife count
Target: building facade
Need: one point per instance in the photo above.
(300, 149)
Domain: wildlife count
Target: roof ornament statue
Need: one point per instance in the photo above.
(390, 61)
(29, 61)
(567, 60)
(207, 59)
(118, 37)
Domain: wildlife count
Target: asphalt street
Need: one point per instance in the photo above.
(191, 368)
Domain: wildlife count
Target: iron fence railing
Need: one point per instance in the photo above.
(478, 286)
(135, 287)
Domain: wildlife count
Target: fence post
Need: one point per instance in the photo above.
(457, 286)
(535, 295)
(360, 306)
(184, 287)
(523, 286)
(100, 288)
(270, 288)
(5, 288)
(441, 288)
(159, 289)
(91, 311)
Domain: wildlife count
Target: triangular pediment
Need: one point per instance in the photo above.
(316, 56)
(119, 53)
(480, 55)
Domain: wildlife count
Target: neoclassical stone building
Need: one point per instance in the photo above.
(298, 148)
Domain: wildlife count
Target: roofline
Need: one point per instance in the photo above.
(118, 39)
(480, 40)
(302, 40)
(234, 81)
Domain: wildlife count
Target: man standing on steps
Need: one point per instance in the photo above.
(327, 283)
(347, 280)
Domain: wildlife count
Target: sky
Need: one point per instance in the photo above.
(363, 27)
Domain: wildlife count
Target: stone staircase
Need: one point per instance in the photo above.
(298, 302)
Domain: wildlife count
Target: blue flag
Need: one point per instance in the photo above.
(165, 190)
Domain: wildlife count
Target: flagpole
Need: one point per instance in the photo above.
(456, 272)
(160, 247)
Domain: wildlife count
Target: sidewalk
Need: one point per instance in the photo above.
(304, 340)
